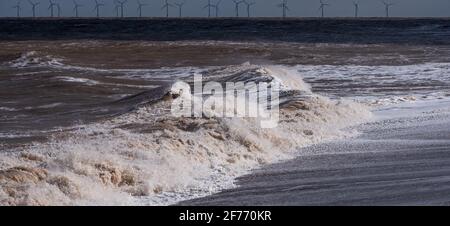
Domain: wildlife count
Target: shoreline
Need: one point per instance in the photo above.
(403, 158)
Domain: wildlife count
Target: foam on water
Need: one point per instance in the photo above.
(149, 157)
(33, 58)
(38, 59)
(382, 84)
(7, 109)
(78, 80)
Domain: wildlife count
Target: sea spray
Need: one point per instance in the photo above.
(148, 156)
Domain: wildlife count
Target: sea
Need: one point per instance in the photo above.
(85, 104)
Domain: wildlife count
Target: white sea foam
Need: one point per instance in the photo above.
(45, 106)
(7, 109)
(34, 59)
(382, 85)
(77, 80)
(380, 73)
(37, 59)
(12, 135)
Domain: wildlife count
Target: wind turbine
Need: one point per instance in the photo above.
(97, 7)
(33, 7)
(75, 7)
(322, 7)
(387, 5)
(139, 9)
(236, 5)
(121, 3)
(284, 7)
(216, 7)
(51, 6)
(166, 6)
(356, 4)
(180, 7)
(116, 8)
(18, 8)
(209, 6)
(248, 4)
(58, 7)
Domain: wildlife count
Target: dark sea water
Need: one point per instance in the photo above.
(84, 117)
(367, 31)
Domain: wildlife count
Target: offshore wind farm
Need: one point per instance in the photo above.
(197, 8)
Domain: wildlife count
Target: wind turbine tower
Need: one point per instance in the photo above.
(139, 9)
(180, 7)
(97, 7)
(387, 5)
(76, 6)
(236, 6)
(33, 7)
(216, 7)
(58, 8)
(121, 3)
(18, 8)
(322, 7)
(116, 8)
(166, 6)
(284, 6)
(356, 4)
(51, 7)
(209, 6)
(248, 4)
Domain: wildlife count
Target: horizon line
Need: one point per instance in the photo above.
(218, 18)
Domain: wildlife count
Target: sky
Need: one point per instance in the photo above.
(262, 8)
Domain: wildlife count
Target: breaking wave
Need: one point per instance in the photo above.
(146, 156)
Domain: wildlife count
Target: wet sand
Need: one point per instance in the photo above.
(401, 159)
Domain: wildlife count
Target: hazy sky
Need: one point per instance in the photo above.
(263, 8)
